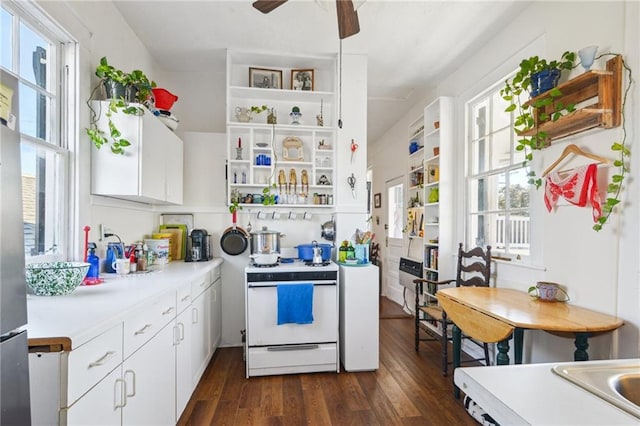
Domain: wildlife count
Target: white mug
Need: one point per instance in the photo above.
(121, 266)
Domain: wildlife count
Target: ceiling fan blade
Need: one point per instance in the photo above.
(266, 6)
(347, 19)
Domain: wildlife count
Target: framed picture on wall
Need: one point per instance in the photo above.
(377, 200)
(265, 78)
(302, 79)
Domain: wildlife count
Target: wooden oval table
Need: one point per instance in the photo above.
(494, 315)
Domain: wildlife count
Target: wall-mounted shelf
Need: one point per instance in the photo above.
(603, 88)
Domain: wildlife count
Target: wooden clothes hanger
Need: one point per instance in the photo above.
(574, 149)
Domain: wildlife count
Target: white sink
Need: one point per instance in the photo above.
(615, 381)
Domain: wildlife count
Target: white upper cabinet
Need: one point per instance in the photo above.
(150, 171)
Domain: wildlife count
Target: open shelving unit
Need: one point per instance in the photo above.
(597, 95)
(247, 176)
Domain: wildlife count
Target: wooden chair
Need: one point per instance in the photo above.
(474, 269)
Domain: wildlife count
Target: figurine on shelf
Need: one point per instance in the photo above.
(282, 179)
(320, 117)
(295, 115)
(293, 181)
(304, 182)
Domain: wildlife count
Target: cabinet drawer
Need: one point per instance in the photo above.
(89, 363)
(292, 359)
(142, 326)
(183, 297)
(199, 285)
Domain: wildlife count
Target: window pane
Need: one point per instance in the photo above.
(518, 189)
(500, 119)
(504, 233)
(479, 120)
(6, 50)
(33, 57)
(395, 211)
(500, 149)
(487, 193)
(40, 191)
(34, 110)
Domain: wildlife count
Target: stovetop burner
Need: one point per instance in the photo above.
(257, 265)
(310, 263)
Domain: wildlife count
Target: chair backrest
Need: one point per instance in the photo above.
(474, 267)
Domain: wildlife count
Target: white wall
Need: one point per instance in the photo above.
(598, 268)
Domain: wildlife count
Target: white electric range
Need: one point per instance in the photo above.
(291, 348)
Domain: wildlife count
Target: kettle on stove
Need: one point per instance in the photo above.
(317, 254)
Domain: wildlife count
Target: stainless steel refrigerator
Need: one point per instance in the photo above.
(14, 362)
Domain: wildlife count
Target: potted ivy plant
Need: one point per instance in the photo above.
(113, 79)
(534, 77)
(140, 86)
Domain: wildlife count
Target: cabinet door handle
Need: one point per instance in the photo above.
(176, 335)
(143, 329)
(106, 357)
(123, 393)
(133, 383)
(194, 316)
(215, 295)
(185, 298)
(181, 329)
(168, 311)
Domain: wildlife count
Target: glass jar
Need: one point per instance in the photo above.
(342, 254)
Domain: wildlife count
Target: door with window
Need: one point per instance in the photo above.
(394, 210)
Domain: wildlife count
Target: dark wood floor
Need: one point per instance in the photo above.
(407, 389)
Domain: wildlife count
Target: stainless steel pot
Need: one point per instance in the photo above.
(328, 230)
(265, 241)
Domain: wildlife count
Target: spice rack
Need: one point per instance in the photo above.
(601, 89)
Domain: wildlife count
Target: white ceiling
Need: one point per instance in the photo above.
(410, 45)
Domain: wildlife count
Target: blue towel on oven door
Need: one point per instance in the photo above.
(295, 303)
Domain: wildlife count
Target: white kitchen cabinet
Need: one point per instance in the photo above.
(149, 376)
(99, 406)
(183, 342)
(201, 333)
(216, 316)
(359, 317)
(150, 170)
(138, 369)
(251, 141)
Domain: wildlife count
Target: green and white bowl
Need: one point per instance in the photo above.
(55, 278)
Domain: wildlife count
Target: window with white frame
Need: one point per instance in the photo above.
(497, 183)
(34, 49)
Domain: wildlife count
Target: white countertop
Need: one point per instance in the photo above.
(533, 394)
(90, 310)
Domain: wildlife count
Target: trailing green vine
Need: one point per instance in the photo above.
(615, 184)
(114, 138)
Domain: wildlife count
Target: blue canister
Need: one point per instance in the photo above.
(413, 147)
(114, 251)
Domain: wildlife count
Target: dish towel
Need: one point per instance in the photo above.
(295, 303)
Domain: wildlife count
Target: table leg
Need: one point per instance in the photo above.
(518, 337)
(582, 344)
(457, 347)
(503, 352)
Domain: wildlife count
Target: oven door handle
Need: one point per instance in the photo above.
(285, 283)
(292, 348)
